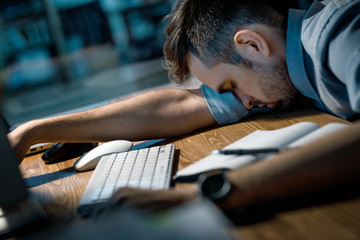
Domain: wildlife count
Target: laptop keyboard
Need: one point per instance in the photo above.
(148, 168)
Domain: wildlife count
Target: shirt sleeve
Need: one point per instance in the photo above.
(344, 51)
(225, 107)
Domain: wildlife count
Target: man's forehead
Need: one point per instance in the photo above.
(194, 60)
(196, 67)
(209, 76)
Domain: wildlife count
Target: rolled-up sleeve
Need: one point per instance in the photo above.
(225, 107)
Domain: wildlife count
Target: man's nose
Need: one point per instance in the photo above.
(247, 101)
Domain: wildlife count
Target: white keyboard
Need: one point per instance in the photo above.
(148, 168)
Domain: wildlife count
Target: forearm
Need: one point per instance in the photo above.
(159, 114)
(328, 162)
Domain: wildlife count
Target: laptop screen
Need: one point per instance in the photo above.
(12, 186)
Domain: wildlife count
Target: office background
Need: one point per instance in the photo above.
(58, 56)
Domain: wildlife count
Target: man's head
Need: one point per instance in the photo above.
(236, 38)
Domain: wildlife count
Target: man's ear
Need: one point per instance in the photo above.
(250, 42)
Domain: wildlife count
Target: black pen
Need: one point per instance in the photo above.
(246, 151)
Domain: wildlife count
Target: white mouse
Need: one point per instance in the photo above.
(89, 160)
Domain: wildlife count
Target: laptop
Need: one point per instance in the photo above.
(17, 210)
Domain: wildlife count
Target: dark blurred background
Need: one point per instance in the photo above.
(60, 56)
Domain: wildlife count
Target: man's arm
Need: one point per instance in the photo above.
(326, 163)
(159, 114)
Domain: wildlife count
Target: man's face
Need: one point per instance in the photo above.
(269, 86)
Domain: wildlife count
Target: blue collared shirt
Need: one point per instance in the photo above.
(323, 60)
(323, 55)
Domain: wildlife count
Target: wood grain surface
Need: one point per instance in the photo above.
(59, 187)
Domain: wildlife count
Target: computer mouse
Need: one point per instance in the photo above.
(89, 160)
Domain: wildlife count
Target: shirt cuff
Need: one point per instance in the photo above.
(225, 107)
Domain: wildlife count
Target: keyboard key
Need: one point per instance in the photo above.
(148, 168)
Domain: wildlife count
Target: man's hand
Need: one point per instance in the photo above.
(153, 200)
(19, 143)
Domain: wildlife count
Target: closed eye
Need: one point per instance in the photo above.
(227, 86)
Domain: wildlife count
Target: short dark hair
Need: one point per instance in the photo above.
(206, 28)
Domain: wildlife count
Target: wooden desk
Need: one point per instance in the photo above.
(59, 188)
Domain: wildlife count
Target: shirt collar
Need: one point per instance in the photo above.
(294, 55)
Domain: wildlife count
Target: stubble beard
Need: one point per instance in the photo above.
(276, 85)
